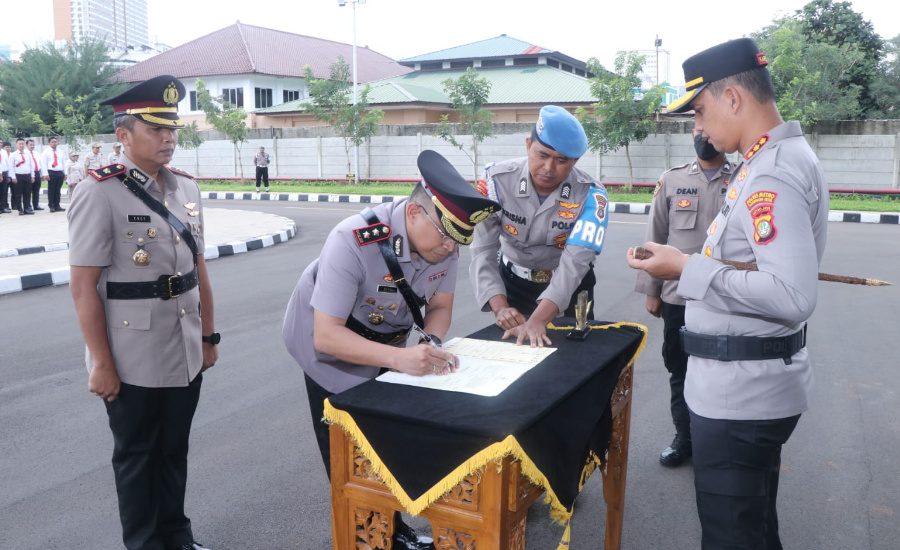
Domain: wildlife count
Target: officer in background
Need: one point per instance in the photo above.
(4, 177)
(21, 172)
(94, 160)
(262, 160)
(685, 202)
(522, 268)
(139, 282)
(53, 168)
(749, 376)
(349, 317)
(116, 156)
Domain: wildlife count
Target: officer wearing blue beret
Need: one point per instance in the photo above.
(526, 266)
(749, 376)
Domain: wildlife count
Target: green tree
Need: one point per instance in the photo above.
(617, 118)
(331, 101)
(835, 23)
(75, 119)
(468, 94)
(226, 118)
(78, 70)
(189, 137)
(810, 77)
(885, 89)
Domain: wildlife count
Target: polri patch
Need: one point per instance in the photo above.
(138, 218)
(761, 197)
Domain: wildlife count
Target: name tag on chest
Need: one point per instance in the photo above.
(138, 218)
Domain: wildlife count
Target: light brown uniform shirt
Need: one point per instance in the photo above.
(155, 343)
(93, 162)
(684, 204)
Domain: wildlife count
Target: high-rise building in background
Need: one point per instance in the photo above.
(121, 23)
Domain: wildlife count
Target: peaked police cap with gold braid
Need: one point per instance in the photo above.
(153, 102)
(727, 59)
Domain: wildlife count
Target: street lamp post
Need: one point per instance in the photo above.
(355, 83)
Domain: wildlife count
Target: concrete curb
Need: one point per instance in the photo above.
(616, 207)
(60, 276)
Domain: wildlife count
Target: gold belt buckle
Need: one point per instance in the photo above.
(541, 276)
(172, 292)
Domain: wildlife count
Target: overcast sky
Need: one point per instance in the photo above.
(405, 28)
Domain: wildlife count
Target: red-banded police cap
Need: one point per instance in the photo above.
(153, 102)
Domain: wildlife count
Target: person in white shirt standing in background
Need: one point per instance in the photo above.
(34, 194)
(53, 170)
(21, 171)
(116, 156)
(4, 178)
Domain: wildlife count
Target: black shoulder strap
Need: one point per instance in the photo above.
(128, 180)
(393, 265)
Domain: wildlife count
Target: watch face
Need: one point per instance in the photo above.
(213, 338)
(435, 339)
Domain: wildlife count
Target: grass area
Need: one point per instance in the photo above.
(855, 203)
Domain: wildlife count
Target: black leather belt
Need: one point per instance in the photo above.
(164, 288)
(389, 338)
(724, 347)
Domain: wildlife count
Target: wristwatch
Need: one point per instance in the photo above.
(434, 339)
(213, 339)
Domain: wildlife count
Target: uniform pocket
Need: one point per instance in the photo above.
(685, 214)
(127, 316)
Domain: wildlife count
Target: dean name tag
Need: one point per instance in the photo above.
(138, 218)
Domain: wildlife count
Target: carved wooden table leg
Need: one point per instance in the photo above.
(617, 463)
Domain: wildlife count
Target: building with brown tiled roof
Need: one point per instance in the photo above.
(254, 67)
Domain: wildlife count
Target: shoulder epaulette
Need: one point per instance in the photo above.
(372, 233)
(107, 171)
(679, 167)
(179, 172)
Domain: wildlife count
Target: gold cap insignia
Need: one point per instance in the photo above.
(170, 95)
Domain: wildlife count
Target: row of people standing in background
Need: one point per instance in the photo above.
(23, 169)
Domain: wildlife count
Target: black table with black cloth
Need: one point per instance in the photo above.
(556, 420)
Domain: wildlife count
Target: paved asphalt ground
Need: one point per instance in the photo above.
(256, 480)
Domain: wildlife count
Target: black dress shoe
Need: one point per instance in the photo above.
(405, 538)
(192, 546)
(6, 210)
(38, 207)
(60, 208)
(676, 453)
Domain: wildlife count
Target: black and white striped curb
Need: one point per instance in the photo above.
(60, 276)
(10, 252)
(615, 207)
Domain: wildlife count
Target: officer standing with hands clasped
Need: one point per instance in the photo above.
(139, 282)
(685, 202)
(351, 312)
(532, 258)
(749, 376)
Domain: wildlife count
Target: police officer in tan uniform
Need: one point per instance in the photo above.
(349, 317)
(94, 160)
(139, 282)
(521, 263)
(685, 202)
(749, 376)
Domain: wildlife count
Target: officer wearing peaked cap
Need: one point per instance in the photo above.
(749, 376)
(139, 282)
(526, 259)
(351, 312)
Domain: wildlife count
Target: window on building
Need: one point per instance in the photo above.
(263, 97)
(235, 96)
(579, 72)
(553, 63)
(493, 62)
(461, 64)
(431, 66)
(525, 61)
(567, 68)
(194, 106)
(290, 95)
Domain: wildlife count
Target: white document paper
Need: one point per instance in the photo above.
(485, 367)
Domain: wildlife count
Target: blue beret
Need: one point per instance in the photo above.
(558, 129)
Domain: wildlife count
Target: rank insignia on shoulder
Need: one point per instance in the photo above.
(108, 171)
(482, 188)
(179, 172)
(523, 187)
(398, 251)
(372, 233)
(566, 191)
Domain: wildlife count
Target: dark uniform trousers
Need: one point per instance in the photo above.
(35, 189)
(21, 192)
(522, 294)
(676, 362)
(54, 186)
(736, 469)
(151, 428)
(262, 172)
(4, 190)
